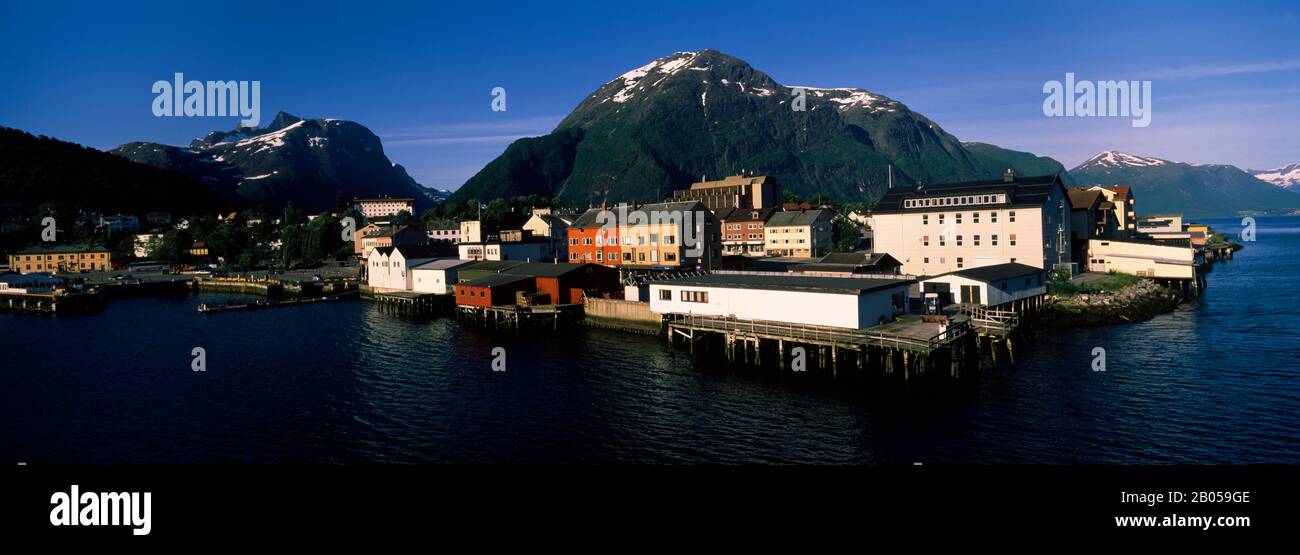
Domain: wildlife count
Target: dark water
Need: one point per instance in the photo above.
(1216, 382)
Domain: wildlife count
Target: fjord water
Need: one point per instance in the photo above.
(1218, 381)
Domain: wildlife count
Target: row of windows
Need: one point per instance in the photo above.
(741, 236)
(953, 201)
(601, 241)
(627, 256)
(975, 218)
(925, 240)
(961, 263)
(751, 226)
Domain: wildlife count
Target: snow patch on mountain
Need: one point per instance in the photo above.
(1286, 177)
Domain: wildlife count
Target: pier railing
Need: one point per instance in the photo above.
(819, 334)
(999, 321)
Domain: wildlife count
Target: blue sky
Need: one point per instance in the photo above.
(1226, 76)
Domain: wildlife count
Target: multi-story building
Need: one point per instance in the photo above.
(545, 225)
(389, 268)
(369, 238)
(659, 236)
(508, 246)
(1124, 205)
(737, 191)
(935, 229)
(384, 207)
(805, 233)
(63, 259)
(120, 222)
(742, 230)
(443, 231)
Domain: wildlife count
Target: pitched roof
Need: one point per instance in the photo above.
(996, 272)
(800, 218)
(544, 269)
(593, 218)
(491, 265)
(788, 282)
(1020, 191)
(442, 264)
(495, 280)
(1083, 198)
(746, 214)
(413, 252)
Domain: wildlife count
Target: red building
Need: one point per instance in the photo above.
(493, 290)
(589, 243)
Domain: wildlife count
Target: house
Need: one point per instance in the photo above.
(736, 191)
(62, 259)
(568, 283)
(478, 231)
(1124, 206)
(388, 268)
(853, 303)
(553, 227)
(851, 264)
(198, 250)
(1146, 258)
(659, 236)
(387, 236)
(35, 282)
(119, 223)
(742, 230)
(801, 233)
(1091, 217)
(384, 207)
(999, 286)
(509, 247)
(438, 276)
(935, 229)
(443, 231)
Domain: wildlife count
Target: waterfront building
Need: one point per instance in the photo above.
(374, 236)
(1124, 207)
(61, 259)
(509, 246)
(1163, 228)
(658, 236)
(850, 264)
(388, 268)
(438, 276)
(742, 230)
(35, 282)
(801, 233)
(475, 270)
(560, 283)
(1145, 258)
(999, 286)
(737, 191)
(493, 290)
(384, 207)
(854, 303)
(935, 229)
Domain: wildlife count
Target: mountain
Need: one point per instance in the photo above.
(35, 170)
(306, 161)
(1286, 177)
(998, 159)
(690, 115)
(1198, 190)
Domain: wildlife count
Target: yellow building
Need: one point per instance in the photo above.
(803, 233)
(62, 259)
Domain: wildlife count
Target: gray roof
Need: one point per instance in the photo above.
(442, 264)
(788, 282)
(792, 218)
(996, 272)
(495, 280)
(1021, 191)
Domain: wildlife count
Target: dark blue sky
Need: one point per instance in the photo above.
(1226, 75)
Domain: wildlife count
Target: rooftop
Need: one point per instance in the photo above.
(800, 218)
(495, 280)
(1021, 191)
(593, 218)
(996, 272)
(62, 249)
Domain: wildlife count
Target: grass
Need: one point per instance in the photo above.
(1115, 281)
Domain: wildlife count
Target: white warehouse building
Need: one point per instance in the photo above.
(853, 303)
(995, 286)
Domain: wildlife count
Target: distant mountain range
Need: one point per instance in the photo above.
(307, 161)
(1199, 190)
(1286, 177)
(692, 115)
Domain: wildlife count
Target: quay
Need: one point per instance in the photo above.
(273, 303)
(519, 318)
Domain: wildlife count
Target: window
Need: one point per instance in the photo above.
(925, 219)
(665, 295)
(995, 240)
(1011, 216)
(925, 241)
(957, 218)
(959, 240)
(977, 240)
(993, 217)
(672, 239)
(940, 219)
(975, 217)
(695, 296)
(941, 241)
(959, 262)
(1013, 239)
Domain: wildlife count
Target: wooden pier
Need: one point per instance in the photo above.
(519, 318)
(413, 304)
(902, 347)
(272, 303)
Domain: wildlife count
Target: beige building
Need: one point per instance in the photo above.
(1143, 258)
(63, 259)
(656, 236)
(384, 207)
(1124, 206)
(936, 229)
(804, 234)
(737, 191)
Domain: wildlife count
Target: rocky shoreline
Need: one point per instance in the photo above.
(1135, 303)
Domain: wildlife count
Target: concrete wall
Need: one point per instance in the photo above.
(622, 310)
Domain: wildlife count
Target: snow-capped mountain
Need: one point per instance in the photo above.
(310, 162)
(669, 122)
(1193, 189)
(1286, 177)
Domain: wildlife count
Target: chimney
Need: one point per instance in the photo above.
(1009, 177)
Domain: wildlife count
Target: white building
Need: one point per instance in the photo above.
(388, 268)
(935, 229)
(1144, 258)
(855, 303)
(527, 250)
(436, 276)
(996, 286)
(384, 207)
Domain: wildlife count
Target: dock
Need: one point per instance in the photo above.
(518, 318)
(207, 308)
(409, 303)
(908, 345)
